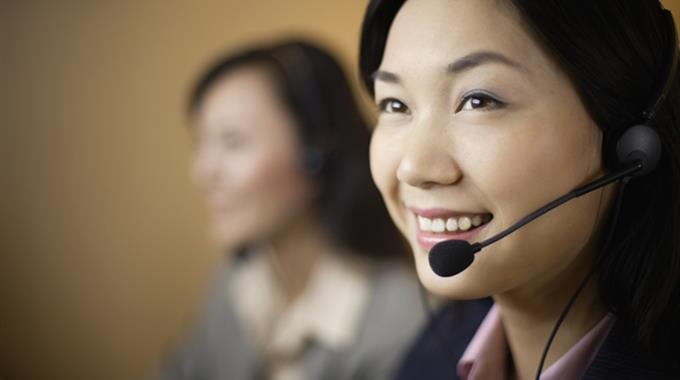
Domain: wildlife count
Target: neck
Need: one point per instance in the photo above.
(529, 316)
(529, 313)
(295, 252)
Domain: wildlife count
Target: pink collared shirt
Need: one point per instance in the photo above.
(486, 355)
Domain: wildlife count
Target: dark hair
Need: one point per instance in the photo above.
(335, 138)
(616, 53)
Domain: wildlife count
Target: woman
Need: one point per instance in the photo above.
(315, 288)
(488, 111)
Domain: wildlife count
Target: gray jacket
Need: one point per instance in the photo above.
(217, 349)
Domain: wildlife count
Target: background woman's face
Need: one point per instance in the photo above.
(247, 158)
(478, 127)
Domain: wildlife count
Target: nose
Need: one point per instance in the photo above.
(428, 159)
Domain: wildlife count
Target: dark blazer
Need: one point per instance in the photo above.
(437, 351)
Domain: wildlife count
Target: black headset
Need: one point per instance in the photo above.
(638, 151)
(641, 142)
(638, 145)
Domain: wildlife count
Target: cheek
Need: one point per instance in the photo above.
(384, 159)
(276, 183)
(517, 174)
(267, 189)
(380, 168)
(522, 168)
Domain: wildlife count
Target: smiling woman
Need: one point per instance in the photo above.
(490, 110)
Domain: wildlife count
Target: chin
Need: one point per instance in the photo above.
(227, 245)
(228, 238)
(463, 286)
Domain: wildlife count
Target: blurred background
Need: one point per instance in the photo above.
(104, 249)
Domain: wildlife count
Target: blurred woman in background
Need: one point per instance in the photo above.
(314, 285)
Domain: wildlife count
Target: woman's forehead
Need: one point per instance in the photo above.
(242, 93)
(433, 34)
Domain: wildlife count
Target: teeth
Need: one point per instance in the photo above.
(476, 220)
(425, 224)
(464, 223)
(452, 224)
(438, 225)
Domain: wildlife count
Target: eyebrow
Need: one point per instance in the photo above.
(385, 76)
(465, 63)
(480, 58)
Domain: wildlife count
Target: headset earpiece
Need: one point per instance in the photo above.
(639, 143)
(313, 161)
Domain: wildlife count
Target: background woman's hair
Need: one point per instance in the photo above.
(615, 53)
(335, 138)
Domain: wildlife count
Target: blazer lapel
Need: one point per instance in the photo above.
(436, 353)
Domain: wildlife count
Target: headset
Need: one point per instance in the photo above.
(638, 150)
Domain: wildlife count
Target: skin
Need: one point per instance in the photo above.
(248, 164)
(501, 136)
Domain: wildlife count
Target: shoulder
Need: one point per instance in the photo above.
(436, 352)
(391, 279)
(394, 300)
(439, 347)
(621, 358)
(391, 319)
(202, 353)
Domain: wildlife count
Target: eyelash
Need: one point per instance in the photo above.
(385, 103)
(481, 97)
(495, 103)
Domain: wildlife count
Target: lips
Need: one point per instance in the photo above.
(437, 225)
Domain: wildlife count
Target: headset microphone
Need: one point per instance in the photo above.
(639, 149)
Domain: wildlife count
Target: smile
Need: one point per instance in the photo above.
(451, 224)
(437, 225)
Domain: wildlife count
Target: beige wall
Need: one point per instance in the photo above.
(103, 250)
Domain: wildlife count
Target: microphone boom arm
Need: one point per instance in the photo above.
(605, 180)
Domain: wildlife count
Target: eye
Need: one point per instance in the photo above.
(479, 101)
(391, 105)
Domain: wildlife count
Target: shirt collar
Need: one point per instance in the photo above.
(328, 311)
(486, 355)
